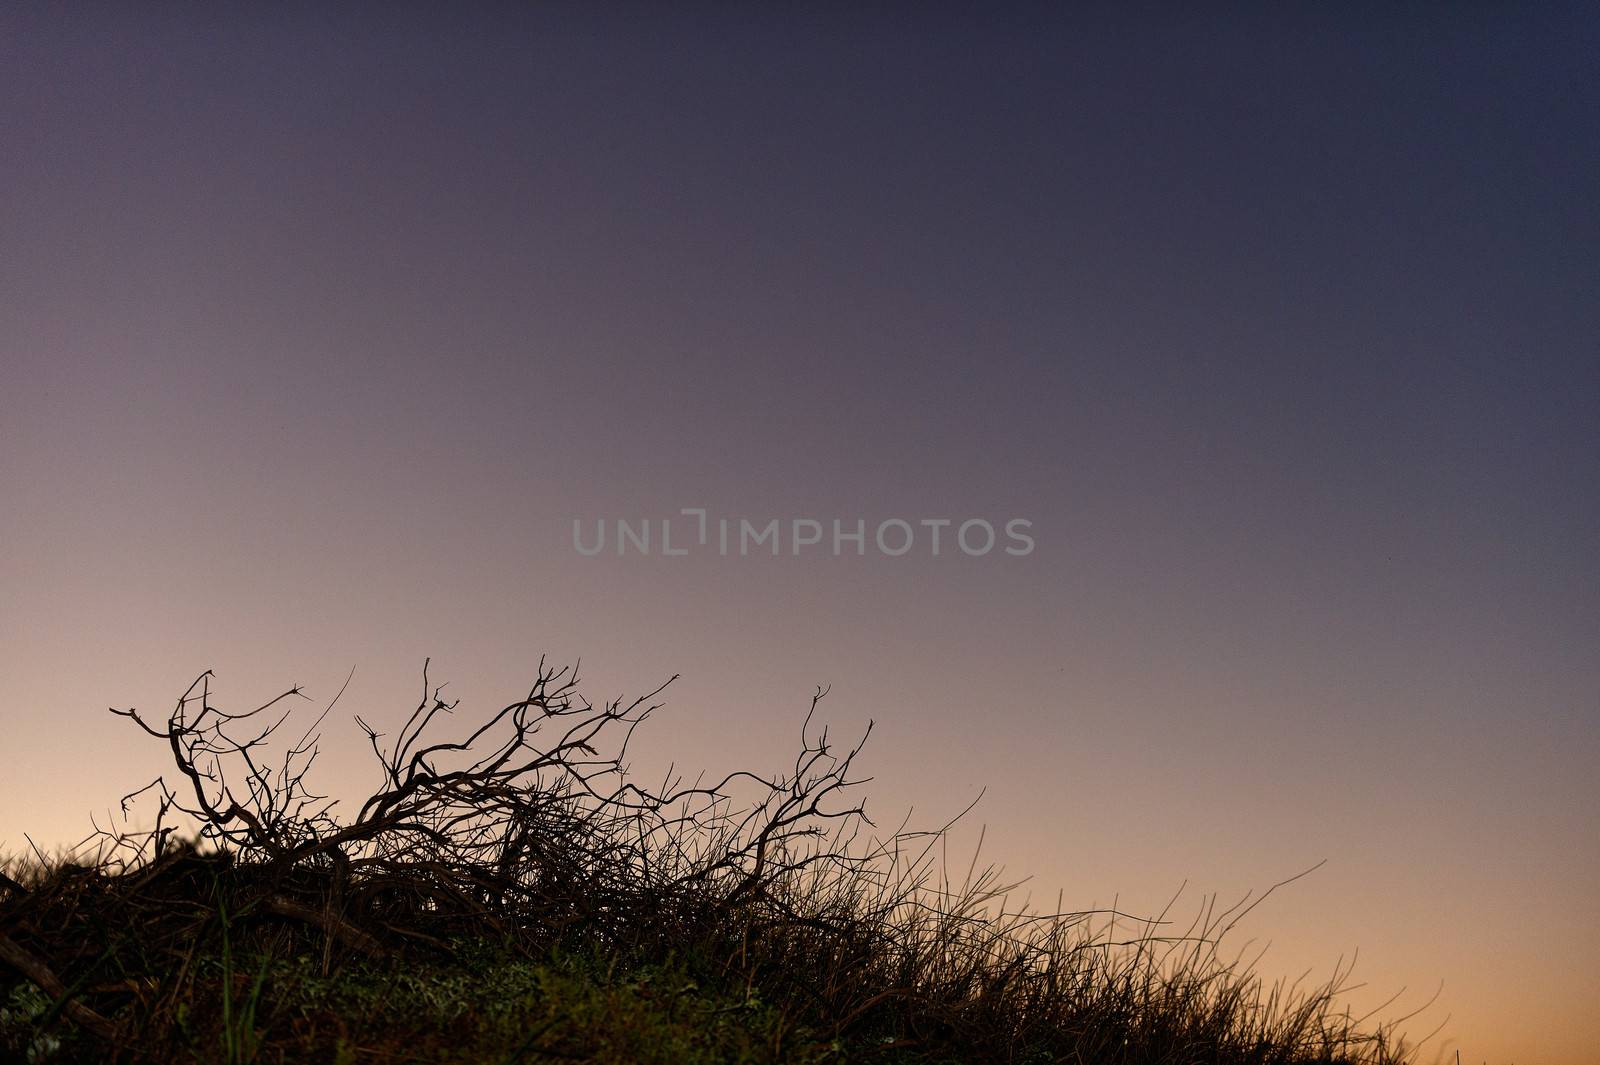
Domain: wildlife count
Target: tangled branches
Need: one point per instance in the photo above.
(527, 830)
(528, 821)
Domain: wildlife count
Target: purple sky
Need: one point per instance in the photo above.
(320, 330)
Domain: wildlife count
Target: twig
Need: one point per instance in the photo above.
(35, 969)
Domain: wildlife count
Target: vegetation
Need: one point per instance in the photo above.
(514, 895)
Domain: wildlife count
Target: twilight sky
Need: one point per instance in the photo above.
(318, 331)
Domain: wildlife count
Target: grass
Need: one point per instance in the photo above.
(512, 897)
(497, 1007)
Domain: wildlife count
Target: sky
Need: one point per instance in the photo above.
(320, 330)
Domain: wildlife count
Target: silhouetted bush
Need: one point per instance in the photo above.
(530, 899)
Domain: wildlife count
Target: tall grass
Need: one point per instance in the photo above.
(787, 926)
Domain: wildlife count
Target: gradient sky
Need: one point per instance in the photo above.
(317, 331)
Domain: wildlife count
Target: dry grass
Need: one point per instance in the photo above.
(535, 902)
